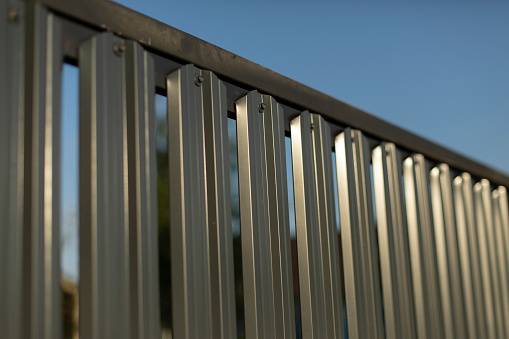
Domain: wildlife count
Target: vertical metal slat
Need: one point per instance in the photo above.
(191, 304)
(201, 240)
(142, 186)
(487, 213)
(104, 227)
(308, 235)
(264, 217)
(447, 253)
(469, 256)
(501, 258)
(316, 230)
(360, 250)
(254, 220)
(11, 165)
(328, 232)
(484, 260)
(504, 215)
(41, 229)
(393, 243)
(222, 278)
(274, 134)
(428, 311)
(503, 210)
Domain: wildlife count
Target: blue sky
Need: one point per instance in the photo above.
(438, 69)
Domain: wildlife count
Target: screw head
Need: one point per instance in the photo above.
(261, 107)
(311, 126)
(198, 80)
(119, 48)
(13, 15)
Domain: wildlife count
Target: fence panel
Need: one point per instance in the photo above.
(442, 244)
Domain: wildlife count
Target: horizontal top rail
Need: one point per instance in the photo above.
(185, 48)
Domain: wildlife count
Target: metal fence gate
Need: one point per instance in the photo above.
(432, 262)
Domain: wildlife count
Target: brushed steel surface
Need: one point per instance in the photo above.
(321, 300)
(191, 295)
(142, 191)
(268, 288)
(503, 210)
(360, 249)
(104, 206)
(274, 139)
(393, 242)
(428, 310)
(501, 258)
(219, 206)
(322, 146)
(12, 119)
(41, 309)
(469, 256)
(488, 224)
(504, 215)
(308, 239)
(451, 288)
(484, 260)
(200, 206)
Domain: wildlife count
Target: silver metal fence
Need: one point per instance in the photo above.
(424, 255)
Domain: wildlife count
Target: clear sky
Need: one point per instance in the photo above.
(437, 68)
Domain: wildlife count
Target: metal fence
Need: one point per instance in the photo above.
(423, 255)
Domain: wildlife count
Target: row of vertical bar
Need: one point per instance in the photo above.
(431, 280)
(432, 231)
(439, 261)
